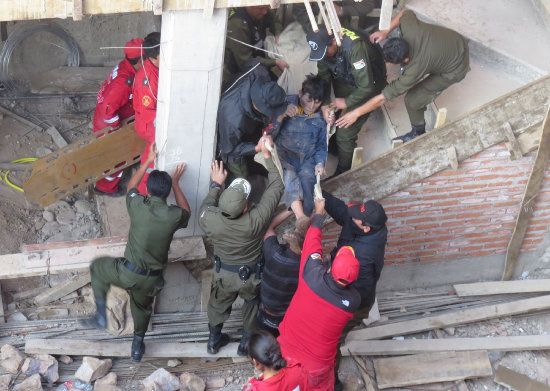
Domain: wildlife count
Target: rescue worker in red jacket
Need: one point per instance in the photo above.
(145, 98)
(322, 305)
(114, 103)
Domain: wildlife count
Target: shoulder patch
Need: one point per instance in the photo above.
(359, 64)
(315, 256)
(146, 100)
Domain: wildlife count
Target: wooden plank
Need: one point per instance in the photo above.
(206, 283)
(393, 347)
(394, 170)
(529, 198)
(208, 9)
(431, 368)
(2, 318)
(38, 259)
(56, 137)
(62, 289)
(357, 157)
(452, 318)
(157, 7)
(517, 381)
(79, 164)
(441, 118)
(502, 287)
(72, 347)
(512, 144)
(77, 10)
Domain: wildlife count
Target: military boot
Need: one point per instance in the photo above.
(416, 131)
(138, 347)
(99, 320)
(242, 350)
(216, 339)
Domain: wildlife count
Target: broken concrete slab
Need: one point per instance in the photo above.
(11, 358)
(191, 382)
(119, 315)
(181, 292)
(161, 380)
(31, 383)
(92, 369)
(108, 379)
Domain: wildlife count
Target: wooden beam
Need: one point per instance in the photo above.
(62, 289)
(517, 381)
(529, 198)
(452, 318)
(208, 9)
(385, 15)
(512, 144)
(393, 347)
(431, 368)
(157, 7)
(77, 10)
(502, 287)
(420, 158)
(73, 347)
(56, 137)
(60, 257)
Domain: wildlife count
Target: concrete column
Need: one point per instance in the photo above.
(191, 60)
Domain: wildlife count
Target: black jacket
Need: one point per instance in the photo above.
(239, 125)
(369, 248)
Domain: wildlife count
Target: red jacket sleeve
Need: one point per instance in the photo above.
(312, 242)
(115, 97)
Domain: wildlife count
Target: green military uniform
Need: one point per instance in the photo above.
(152, 226)
(238, 242)
(242, 27)
(436, 51)
(356, 73)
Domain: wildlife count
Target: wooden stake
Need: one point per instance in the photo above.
(311, 16)
(77, 10)
(385, 15)
(324, 16)
(357, 158)
(333, 21)
(441, 117)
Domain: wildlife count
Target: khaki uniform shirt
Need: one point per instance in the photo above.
(152, 226)
(432, 50)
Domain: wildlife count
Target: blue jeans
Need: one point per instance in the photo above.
(299, 180)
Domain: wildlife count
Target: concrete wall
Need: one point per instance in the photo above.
(461, 221)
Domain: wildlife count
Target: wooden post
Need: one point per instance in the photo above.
(441, 117)
(528, 201)
(324, 16)
(357, 158)
(311, 16)
(385, 15)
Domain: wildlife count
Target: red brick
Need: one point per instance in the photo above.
(500, 184)
(447, 251)
(481, 253)
(496, 245)
(426, 226)
(412, 235)
(436, 245)
(470, 248)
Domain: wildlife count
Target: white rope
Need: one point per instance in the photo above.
(243, 75)
(254, 47)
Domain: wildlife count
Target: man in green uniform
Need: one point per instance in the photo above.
(357, 73)
(248, 25)
(152, 226)
(433, 58)
(237, 230)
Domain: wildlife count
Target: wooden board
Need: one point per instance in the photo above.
(528, 201)
(452, 318)
(59, 257)
(80, 164)
(73, 347)
(393, 347)
(431, 368)
(502, 287)
(426, 155)
(517, 381)
(63, 289)
(69, 80)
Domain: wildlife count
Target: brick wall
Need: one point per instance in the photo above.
(465, 213)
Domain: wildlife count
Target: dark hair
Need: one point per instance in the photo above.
(159, 184)
(151, 45)
(133, 61)
(396, 50)
(315, 86)
(264, 348)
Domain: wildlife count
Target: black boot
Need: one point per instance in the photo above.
(99, 320)
(338, 385)
(138, 347)
(417, 130)
(242, 350)
(216, 339)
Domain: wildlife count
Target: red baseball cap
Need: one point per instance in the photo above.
(134, 48)
(345, 266)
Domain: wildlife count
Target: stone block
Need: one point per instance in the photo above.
(11, 358)
(161, 380)
(5, 382)
(49, 368)
(191, 382)
(65, 359)
(92, 369)
(173, 363)
(31, 383)
(108, 379)
(215, 383)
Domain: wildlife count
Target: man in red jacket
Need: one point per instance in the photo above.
(114, 103)
(145, 98)
(322, 305)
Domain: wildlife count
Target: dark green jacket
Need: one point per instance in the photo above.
(152, 226)
(239, 241)
(359, 61)
(242, 27)
(433, 50)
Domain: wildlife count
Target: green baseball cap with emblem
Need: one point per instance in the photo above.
(233, 199)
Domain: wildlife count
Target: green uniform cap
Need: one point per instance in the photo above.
(233, 199)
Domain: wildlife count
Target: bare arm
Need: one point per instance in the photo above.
(136, 178)
(379, 36)
(349, 118)
(181, 200)
(278, 219)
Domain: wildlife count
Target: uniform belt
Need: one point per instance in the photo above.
(244, 271)
(138, 270)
